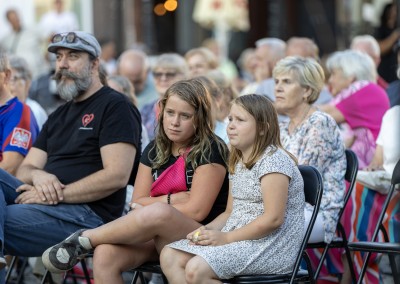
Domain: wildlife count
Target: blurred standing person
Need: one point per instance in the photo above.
(369, 45)
(387, 35)
(58, 20)
(168, 69)
(134, 65)
(20, 82)
(18, 127)
(25, 43)
(358, 101)
(393, 90)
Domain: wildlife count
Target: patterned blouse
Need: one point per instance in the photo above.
(317, 142)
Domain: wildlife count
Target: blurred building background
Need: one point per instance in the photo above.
(168, 25)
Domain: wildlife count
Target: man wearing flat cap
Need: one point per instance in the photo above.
(75, 174)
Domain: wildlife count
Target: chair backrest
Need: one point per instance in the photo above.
(396, 174)
(312, 181)
(350, 176)
(313, 188)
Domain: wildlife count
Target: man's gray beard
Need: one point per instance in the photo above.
(79, 85)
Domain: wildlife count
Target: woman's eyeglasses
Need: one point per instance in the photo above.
(69, 38)
(167, 75)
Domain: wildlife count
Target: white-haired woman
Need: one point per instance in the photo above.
(359, 102)
(311, 135)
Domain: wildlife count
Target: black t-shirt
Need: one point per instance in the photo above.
(215, 157)
(74, 134)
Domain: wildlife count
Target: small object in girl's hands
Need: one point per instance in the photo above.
(195, 237)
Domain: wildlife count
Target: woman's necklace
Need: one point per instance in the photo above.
(295, 126)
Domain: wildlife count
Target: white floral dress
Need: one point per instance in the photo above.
(317, 142)
(276, 252)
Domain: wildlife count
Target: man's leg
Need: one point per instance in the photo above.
(30, 228)
(8, 184)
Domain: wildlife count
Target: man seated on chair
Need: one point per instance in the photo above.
(76, 173)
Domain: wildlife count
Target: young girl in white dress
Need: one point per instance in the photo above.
(262, 227)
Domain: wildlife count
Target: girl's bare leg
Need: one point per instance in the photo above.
(157, 221)
(198, 271)
(109, 261)
(173, 263)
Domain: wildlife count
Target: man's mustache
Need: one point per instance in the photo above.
(65, 73)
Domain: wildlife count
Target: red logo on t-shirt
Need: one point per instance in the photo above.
(87, 118)
(20, 138)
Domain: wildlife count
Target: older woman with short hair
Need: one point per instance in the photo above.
(312, 136)
(358, 101)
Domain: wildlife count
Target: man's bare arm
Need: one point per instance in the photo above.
(118, 159)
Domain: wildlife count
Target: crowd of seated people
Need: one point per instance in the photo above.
(321, 109)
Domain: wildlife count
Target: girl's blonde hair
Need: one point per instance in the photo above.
(267, 127)
(194, 93)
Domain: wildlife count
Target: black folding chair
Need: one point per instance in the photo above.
(341, 240)
(152, 267)
(372, 246)
(313, 193)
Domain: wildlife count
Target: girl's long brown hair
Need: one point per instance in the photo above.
(195, 94)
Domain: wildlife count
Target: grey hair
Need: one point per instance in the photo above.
(353, 63)
(172, 61)
(277, 45)
(4, 62)
(21, 66)
(370, 40)
(307, 71)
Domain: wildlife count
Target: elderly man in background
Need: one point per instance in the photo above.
(134, 65)
(369, 45)
(76, 173)
(268, 52)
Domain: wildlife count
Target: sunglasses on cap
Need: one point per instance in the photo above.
(70, 37)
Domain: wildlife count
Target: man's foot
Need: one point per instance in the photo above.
(64, 255)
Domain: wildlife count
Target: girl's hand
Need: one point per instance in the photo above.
(209, 237)
(193, 236)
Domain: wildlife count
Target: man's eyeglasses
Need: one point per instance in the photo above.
(69, 38)
(167, 75)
